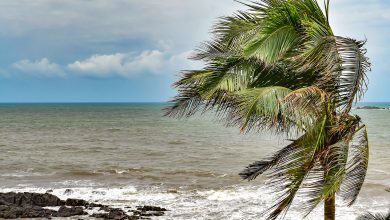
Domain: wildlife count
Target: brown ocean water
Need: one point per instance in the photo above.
(129, 154)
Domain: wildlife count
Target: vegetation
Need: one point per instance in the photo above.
(278, 66)
(378, 216)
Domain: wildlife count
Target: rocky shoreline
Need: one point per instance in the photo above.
(44, 205)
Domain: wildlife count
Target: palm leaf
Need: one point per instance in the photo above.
(356, 167)
(377, 216)
(327, 179)
(290, 166)
(261, 107)
(273, 47)
(354, 64)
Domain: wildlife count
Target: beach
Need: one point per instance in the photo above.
(130, 155)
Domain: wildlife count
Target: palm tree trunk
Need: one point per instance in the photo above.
(329, 208)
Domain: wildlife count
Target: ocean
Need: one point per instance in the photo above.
(129, 155)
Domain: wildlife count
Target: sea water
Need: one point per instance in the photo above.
(129, 155)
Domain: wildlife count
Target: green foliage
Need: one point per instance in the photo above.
(278, 66)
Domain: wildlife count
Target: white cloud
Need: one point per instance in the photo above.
(107, 65)
(41, 67)
(129, 64)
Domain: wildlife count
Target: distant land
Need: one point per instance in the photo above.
(373, 105)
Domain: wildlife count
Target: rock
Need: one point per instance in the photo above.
(4, 208)
(136, 212)
(28, 211)
(96, 205)
(68, 212)
(7, 198)
(68, 192)
(105, 208)
(76, 202)
(49, 191)
(31, 205)
(150, 208)
(46, 200)
(154, 213)
(116, 214)
(99, 192)
(33, 199)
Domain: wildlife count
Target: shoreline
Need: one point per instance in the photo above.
(45, 205)
(234, 203)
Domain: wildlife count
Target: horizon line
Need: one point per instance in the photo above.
(87, 102)
(129, 102)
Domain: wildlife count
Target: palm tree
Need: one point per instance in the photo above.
(278, 66)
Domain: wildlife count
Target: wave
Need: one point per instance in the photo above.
(234, 202)
(108, 171)
(158, 172)
(26, 173)
(197, 173)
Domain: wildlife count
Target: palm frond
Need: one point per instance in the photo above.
(333, 160)
(233, 30)
(257, 168)
(212, 50)
(356, 167)
(354, 65)
(279, 33)
(377, 216)
(261, 107)
(246, 92)
(207, 88)
(306, 105)
(288, 168)
(341, 62)
(273, 47)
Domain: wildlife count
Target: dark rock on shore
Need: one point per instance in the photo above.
(13, 211)
(147, 208)
(76, 202)
(32, 199)
(117, 214)
(68, 212)
(32, 205)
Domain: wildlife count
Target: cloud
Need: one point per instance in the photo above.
(41, 67)
(123, 64)
(107, 65)
(130, 64)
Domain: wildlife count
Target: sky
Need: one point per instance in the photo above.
(133, 50)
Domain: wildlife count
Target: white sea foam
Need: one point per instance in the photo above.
(240, 202)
